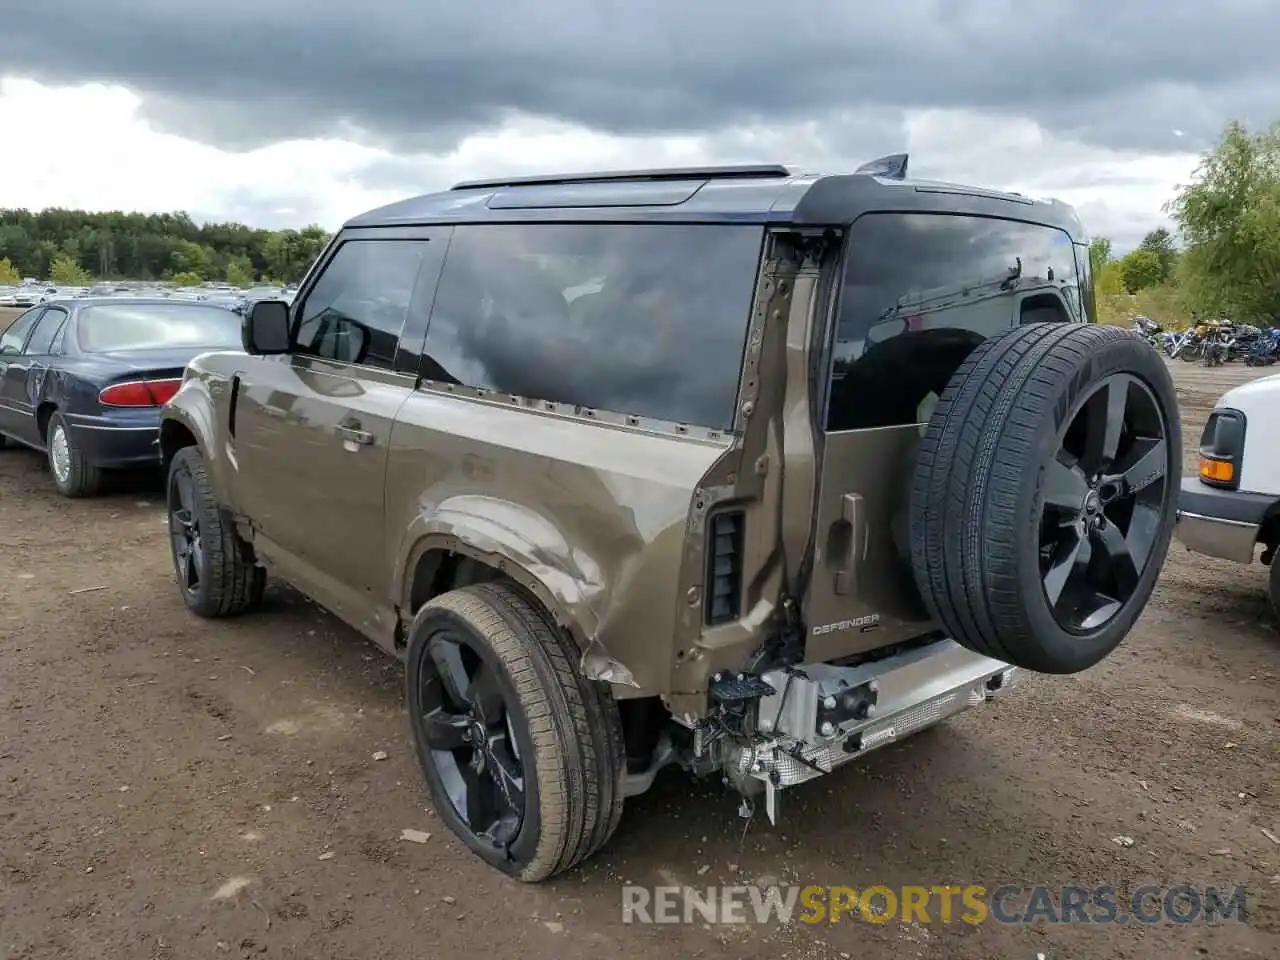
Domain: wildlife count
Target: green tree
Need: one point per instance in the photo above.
(1160, 243)
(1141, 268)
(190, 257)
(66, 272)
(9, 275)
(1109, 281)
(187, 279)
(1099, 255)
(1229, 218)
(289, 253)
(239, 271)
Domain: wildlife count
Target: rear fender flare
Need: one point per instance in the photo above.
(522, 544)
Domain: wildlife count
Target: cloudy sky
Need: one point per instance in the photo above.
(284, 112)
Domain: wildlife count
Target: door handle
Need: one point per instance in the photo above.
(356, 435)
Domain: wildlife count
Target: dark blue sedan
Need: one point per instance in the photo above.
(83, 380)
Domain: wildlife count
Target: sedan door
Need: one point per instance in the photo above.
(25, 378)
(15, 412)
(311, 429)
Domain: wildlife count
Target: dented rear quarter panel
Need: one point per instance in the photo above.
(592, 516)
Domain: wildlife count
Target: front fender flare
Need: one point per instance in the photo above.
(193, 407)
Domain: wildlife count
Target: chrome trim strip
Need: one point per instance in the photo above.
(94, 426)
(1200, 516)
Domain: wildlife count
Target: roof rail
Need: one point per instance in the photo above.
(761, 171)
(891, 167)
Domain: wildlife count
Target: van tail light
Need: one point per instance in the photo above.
(724, 567)
(140, 393)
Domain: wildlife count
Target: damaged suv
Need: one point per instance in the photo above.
(739, 469)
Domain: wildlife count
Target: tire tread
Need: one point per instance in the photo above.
(235, 584)
(573, 723)
(985, 435)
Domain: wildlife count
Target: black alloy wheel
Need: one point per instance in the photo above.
(1045, 493)
(215, 568)
(523, 756)
(1104, 498)
(467, 723)
(184, 533)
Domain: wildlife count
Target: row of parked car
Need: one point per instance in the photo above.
(30, 293)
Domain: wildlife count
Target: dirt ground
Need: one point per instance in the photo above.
(173, 788)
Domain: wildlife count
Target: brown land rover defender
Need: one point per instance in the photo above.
(739, 469)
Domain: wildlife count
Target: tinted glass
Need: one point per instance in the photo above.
(921, 291)
(357, 308)
(645, 319)
(58, 338)
(156, 326)
(41, 341)
(15, 336)
(1088, 305)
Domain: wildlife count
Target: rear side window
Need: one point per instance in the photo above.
(643, 319)
(357, 308)
(105, 327)
(41, 342)
(921, 291)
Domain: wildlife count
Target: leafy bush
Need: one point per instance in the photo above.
(66, 272)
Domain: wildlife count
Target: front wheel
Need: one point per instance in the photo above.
(215, 575)
(523, 756)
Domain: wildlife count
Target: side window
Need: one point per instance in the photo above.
(11, 340)
(50, 325)
(643, 319)
(357, 308)
(56, 347)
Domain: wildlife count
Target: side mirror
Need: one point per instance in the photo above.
(265, 328)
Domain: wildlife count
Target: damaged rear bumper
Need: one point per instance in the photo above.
(823, 716)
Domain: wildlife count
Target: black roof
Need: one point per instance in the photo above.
(771, 194)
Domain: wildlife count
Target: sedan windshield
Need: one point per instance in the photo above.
(156, 326)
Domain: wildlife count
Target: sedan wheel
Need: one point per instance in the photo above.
(72, 474)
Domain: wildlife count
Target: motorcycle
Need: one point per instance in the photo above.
(1265, 350)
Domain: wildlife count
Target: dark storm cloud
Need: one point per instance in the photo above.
(418, 75)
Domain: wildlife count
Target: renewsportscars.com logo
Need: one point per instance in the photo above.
(972, 904)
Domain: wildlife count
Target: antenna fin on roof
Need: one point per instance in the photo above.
(891, 167)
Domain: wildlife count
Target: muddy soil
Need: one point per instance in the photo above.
(173, 788)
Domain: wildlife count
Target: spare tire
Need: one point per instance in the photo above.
(1044, 494)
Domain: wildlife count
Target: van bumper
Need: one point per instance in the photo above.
(1221, 523)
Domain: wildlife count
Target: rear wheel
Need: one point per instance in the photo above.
(523, 756)
(1045, 492)
(73, 475)
(215, 575)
